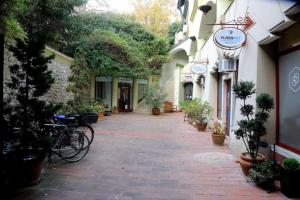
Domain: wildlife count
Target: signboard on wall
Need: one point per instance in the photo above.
(187, 77)
(229, 38)
(199, 68)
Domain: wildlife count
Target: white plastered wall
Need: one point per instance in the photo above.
(170, 77)
(210, 91)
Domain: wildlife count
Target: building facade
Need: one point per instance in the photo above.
(122, 93)
(270, 57)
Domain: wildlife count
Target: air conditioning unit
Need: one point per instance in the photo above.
(228, 65)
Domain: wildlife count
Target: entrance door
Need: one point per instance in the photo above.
(124, 97)
(188, 91)
(228, 105)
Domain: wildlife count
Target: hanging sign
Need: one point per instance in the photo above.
(229, 38)
(199, 69)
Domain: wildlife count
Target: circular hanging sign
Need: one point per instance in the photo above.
(199, 68)
(229, 38)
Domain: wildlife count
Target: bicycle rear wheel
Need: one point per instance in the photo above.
(74, 147)
(88, 131)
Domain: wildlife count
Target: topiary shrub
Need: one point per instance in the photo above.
(252, 127)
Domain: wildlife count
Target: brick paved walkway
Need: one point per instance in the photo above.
(145, 157)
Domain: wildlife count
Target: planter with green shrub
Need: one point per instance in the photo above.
(290, 178)
(264, 175)
(155, 98)
(204, 113)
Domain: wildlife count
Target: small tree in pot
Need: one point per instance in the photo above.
(155, 98)
(25, 111)
(252, 127)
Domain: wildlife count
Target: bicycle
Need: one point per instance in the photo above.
(79, 122)
(70, 145)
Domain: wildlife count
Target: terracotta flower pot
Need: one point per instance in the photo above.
(101, 116)
(155, 111)
(246, 162)
(201, 126)
(218, 139)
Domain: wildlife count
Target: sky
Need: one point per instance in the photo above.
(120, 5)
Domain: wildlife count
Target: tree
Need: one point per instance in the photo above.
(82, 25)
(79, 81)
(172, 31)
(30, 79)
(9, 30)
(155, 14)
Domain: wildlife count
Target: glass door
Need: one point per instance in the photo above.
(104, 90)
(125, 94)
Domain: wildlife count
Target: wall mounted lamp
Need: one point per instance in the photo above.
(205, 9)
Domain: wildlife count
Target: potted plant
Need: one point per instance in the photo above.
(203, 114)
(252, 127)
(100, 109)
(264, 175)
(183, 105)
(155, 98)
(191, 110)
(218, 134)
(25, 112)
(115, 110)
(289, 178)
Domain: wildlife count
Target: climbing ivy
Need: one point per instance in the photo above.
(114, 45)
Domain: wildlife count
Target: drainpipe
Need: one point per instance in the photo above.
(1, 96)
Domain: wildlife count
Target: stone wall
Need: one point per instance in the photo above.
(60, 71)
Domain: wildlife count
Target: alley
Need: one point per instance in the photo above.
(145, 157)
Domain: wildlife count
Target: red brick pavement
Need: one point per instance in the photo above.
(145, 157)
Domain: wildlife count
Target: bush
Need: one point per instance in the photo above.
(199, 110)
(291, 164)
(155, 97)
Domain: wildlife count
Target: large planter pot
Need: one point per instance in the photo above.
(25, 169)
(218, 139)
(201, 126)
(155, 111)
(289, 182)
(89, 117)
(168, 107)
(246, 162)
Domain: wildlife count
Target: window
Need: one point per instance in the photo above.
(143, 84)
(289, 100)
(104, 90)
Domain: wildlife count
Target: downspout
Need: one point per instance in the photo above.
(1, 97)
